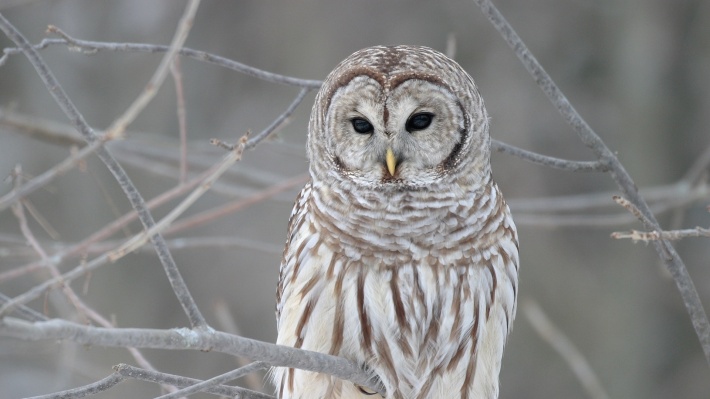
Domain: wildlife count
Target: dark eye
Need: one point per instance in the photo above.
(362, 126)
(419, 121)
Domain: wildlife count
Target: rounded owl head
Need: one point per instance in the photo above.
(399, 117)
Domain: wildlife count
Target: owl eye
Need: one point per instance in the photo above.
(362, 126)
(419, 121)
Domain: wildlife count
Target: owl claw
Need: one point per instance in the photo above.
(365, 390)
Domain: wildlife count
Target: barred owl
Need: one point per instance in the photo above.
(401, 253)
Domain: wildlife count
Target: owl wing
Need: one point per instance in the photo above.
(295, 221)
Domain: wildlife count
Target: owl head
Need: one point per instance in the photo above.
(399, 117)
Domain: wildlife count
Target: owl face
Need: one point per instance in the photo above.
(397, 119)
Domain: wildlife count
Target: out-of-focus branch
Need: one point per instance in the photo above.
(565, 348)
(40, 181)
(208, 243)
(176, 71)
(118, 127)
(234, 206)
(24, 311)
(665, 250)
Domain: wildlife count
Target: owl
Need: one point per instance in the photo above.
(401, 254)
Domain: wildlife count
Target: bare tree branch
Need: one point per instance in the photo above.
(218, 380)
(94, 388)
(186, 339)
(234, 206)
(178, 381)
(176, 71)
(665, 250)
(228, 324)
(654, 235)
(647, 236)
(279, 120)
(557, 163)
(93, 46)
(24, 311)
(40, 181)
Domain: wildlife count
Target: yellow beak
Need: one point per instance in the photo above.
(391, 161)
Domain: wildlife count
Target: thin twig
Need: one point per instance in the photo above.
(18, 211)
(231, 207)
(557, 163)
(699, 169)
(185, 52)
(94, 388)
(228, 324)
(41, 220)
(673, 195)
(647, 236)
(42, 180)
(217, 380)
(632, 208)
(118, 127)
(49, 131)
(176, 70)
(565, 348)
(24, 311)
(181, 243)
(279, 120)
(179, 381)
(665, 250)
(186, 339)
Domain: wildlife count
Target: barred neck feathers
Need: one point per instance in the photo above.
(405, 222)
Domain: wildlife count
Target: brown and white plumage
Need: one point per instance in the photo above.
(401, 252)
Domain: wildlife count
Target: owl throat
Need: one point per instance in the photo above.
(402, 224)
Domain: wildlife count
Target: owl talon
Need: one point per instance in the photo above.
(365, 390)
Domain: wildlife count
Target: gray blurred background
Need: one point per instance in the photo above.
(638, 71)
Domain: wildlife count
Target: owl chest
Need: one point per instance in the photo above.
(416, 306)
(409, 323)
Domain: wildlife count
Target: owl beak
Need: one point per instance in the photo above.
(391, 161)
